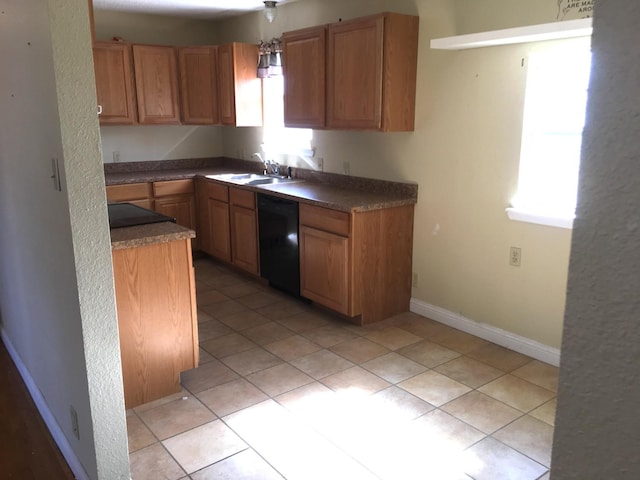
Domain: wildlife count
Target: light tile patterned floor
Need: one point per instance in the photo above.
(284, 390)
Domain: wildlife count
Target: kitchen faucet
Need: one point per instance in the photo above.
(275, 166)
(263, 161)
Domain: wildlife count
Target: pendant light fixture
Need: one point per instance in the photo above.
(270, 11)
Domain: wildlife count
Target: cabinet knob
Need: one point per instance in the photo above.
(99, 109)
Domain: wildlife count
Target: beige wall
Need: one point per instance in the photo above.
(157, 142)
(152, 29)
(464, 154)
(479, 16)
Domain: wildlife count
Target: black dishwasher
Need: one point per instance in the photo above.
(278, 227)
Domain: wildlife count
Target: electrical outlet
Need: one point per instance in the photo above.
(346, 168)
(515, 256)
(116, 156)
(415, 278)
(74, 422)
(320, 164)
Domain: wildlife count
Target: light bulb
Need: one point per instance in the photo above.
(270, 11)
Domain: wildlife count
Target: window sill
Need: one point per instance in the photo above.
(523, 216)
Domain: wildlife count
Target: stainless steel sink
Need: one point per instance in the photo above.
(268, 180)
(250, 178)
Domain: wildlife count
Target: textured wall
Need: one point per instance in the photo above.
(598, 426)
(56, 285)
(90, 232)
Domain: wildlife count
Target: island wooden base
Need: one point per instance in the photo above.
(157, 318)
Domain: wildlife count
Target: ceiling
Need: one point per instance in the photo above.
(210, 9)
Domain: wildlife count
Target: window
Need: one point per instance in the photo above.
(277, 139)
(554, 115)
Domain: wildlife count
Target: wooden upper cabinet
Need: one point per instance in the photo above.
(354, 71)
(156, 77)
(114, 83)
(371, 73)
(199, 85)
(239, 88)
(304, 55)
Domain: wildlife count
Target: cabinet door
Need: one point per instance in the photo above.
(240, 90)
(180, 207)
(324, 268)
(156, 84)
(244, 238)
(354, 73)
(199, 85)
(304, 55)
(219, 229)
(114, 83)
(203, 226)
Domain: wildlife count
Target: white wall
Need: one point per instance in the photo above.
(596, 434)
(157, 142)
(56, 282)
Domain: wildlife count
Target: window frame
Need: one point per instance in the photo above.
(519, 210)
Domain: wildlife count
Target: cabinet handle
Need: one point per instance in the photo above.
(99, 109)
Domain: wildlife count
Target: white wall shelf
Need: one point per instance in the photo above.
(532, 33)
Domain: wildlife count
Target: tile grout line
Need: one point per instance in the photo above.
(354, 364)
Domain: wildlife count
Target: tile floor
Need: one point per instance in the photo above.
(284, 390)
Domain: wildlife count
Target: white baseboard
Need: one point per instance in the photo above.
(55, 430)
(523, 345)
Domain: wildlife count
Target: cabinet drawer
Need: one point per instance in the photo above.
(129, 191)
(242, 198)
(172, 187)
(325, 219)
(218, 192)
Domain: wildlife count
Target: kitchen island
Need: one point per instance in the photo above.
(157, 316)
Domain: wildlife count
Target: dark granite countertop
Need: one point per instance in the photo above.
(340, 192)
(336, 197)
(140, 235)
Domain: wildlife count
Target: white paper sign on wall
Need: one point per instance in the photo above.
(573, 9)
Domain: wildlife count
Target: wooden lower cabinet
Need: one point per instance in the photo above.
(358, 263)
(324, 268)
(219, 227)
(228, 224)
(244, 230)
(174, 198)
(212, 205)
(157, 320)
(181, 207)
(136, 193)
(244, 238)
